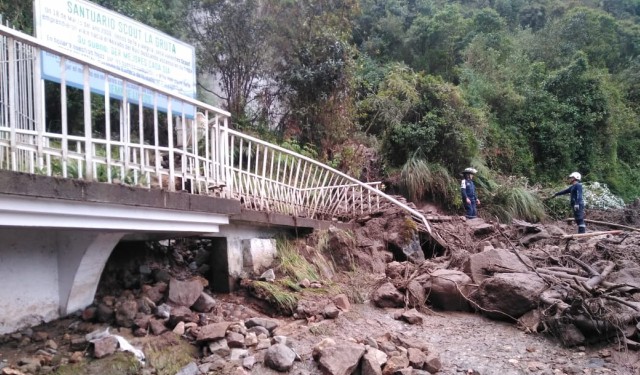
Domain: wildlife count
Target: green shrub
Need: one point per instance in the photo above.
(512, 199)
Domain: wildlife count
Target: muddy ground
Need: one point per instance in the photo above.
(466, 342)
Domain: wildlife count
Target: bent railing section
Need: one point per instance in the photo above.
(156, 139)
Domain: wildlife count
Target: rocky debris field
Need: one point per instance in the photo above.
(476, 297)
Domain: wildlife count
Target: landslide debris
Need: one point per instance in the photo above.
(329, 303)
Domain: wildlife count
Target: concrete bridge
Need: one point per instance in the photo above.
(80, 172)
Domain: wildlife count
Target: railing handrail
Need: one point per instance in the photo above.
(220, 129)
(28, 39)
(340, 186)
(415, 213)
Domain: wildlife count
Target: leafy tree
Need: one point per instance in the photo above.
(436, 41)
(230, 38)
(17, 13)
(440, 125)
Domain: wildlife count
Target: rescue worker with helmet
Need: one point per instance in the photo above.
(577, 202)
(469, 197)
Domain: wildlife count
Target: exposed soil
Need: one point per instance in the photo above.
(467, 343)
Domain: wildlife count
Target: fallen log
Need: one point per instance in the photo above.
(596, 280)
(612, 225)
(592, 234)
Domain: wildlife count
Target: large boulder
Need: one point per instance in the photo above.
(483, 265)
(185, 293)
(509, 295)
(387, 296)
(449, 290)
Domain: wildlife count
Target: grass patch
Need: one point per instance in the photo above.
(320, 329)
(512, 200)
(169, 359)
(293, 264)
(120, 363)
(419, 178)
(284, 300)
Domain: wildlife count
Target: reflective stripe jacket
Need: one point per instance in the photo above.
(468, 190)
(576, 194)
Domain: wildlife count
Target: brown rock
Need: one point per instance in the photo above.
(184, 293)
(482, 265)
(433, 363)
(387, 296)
(512, 294)
(412, 316)
(205, 303)
(126, 313)
(340, 359)
(395, 363)
(448, 290)
(416, 358)
(342, 302)
(104, 347)
(157, 327)
(212, 332)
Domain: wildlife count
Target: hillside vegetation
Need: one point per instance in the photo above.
(525, 91)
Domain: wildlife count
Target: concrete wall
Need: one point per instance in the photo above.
(235, 235)
(29, 278)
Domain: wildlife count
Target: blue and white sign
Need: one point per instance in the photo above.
(106, 37)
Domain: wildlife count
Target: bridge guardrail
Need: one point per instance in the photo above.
(124, 141)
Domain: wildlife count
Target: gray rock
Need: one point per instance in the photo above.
(482, 265)
(248, 362)
(205, 303)
(370, 365)
(268, 275)
(259, 330)
(238, 354)
(235, 340)
(280, 357)
(161, 275)
(163, 311)
(126, 313)
(413, 250)
(219, 347)
(212, 332)
(269, 324)
(330, 311)
(184, 293)
(190, 369)
(412, 316)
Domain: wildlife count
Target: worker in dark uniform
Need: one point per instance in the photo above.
(577, 202)
(469, 197)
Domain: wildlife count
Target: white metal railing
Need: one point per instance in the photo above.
(42, 130)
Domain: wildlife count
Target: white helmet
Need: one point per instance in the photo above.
(575, 175)
(470, 171)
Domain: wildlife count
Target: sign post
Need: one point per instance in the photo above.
(128, 46)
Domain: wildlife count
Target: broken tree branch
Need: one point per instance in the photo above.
(592, 234)
(596, 280)
(612, 225)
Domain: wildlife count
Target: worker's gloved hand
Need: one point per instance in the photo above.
(576, 207)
